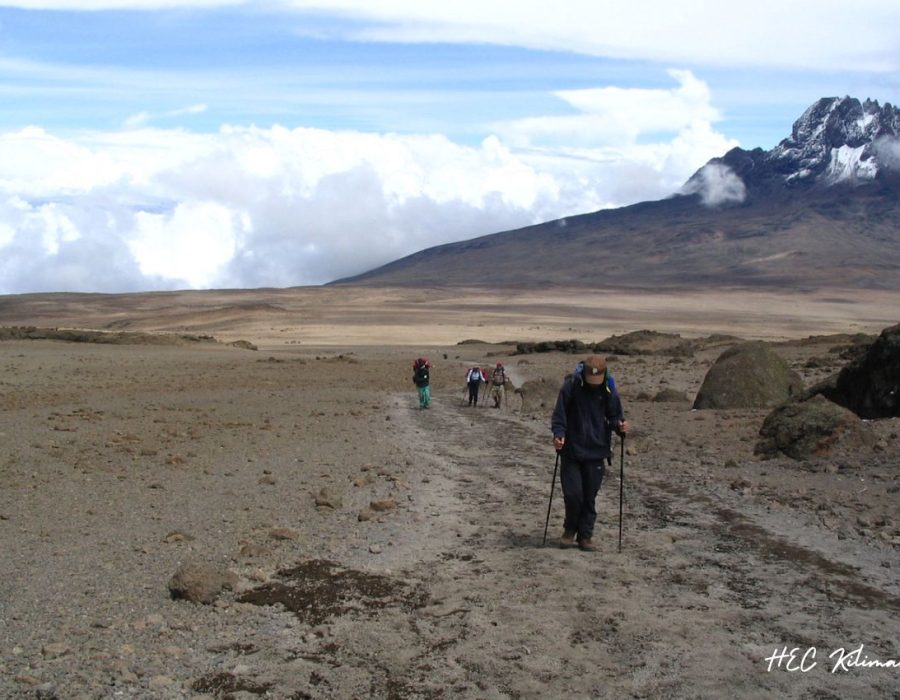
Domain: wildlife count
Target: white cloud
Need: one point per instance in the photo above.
(190, 244)
(142, 119)
(809, 34)
(631, 143)
(702, 31)
(117, 4)
(717, 184)
(247, 206)
(888, 151)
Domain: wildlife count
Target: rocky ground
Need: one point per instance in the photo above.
(379, 550)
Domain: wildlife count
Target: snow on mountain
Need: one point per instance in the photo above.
(836, 140)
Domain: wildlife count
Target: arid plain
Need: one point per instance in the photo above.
(376, 550)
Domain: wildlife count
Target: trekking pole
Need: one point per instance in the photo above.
(621, 486)
(552, 486)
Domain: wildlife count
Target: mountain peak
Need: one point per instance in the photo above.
(836, 140)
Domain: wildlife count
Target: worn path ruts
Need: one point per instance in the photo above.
(703, 592)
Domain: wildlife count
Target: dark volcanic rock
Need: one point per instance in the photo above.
(870, 386)
(808, 429)
(749, 375)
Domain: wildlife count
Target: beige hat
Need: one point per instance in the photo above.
(595, 369)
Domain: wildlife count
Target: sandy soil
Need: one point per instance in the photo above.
(119, 463)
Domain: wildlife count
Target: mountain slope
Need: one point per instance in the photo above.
(819, 210)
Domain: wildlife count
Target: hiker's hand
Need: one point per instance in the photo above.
(558, 443)
(622, 427)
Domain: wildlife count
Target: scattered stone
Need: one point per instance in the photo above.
(365, 515)
(670, 396)
(160, 682)
(326, 499)
(254, 551)
(26, 679)
(383, 505)
(283, 533)
(199, 582)
(266, 481)
(258, 575)
(178, 536)
(55, 649)
(361, 481)
(375, 548)
(46, 691)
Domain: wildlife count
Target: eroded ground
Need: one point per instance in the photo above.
(120, 462)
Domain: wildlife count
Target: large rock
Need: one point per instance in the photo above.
(870, 385)
(200, 582)
(749, 375)
(812, 428)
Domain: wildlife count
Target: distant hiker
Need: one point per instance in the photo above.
(498, 382)
(422, 380)
(474, 378)
(587, 411)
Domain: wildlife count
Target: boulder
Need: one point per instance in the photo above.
(870, 385)
(749, 375)
(199, 582)
(808, 429)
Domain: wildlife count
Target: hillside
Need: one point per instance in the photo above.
(819, 210)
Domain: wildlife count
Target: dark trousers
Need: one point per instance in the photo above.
(473, 392)
(580, 484)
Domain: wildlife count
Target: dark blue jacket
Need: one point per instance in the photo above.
(585, 417)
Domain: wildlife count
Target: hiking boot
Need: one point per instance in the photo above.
(567, 540)
(586, 545)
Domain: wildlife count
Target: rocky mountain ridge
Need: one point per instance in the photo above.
(836, 140)
(820, 210)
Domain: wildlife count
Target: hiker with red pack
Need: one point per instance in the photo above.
(422, 379)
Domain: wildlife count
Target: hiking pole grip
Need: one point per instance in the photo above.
(552, 486)
(621, 485)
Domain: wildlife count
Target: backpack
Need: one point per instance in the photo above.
(474, 375)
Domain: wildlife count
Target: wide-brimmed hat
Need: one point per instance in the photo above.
(595, 369)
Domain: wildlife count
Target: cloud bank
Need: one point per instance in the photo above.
(717, 185)
(153, 209)
(707, 32)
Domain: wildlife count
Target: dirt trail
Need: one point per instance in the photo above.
(705, 589)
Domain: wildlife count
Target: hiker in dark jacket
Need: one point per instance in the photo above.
(586, 409)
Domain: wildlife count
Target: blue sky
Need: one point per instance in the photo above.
(220, 143)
